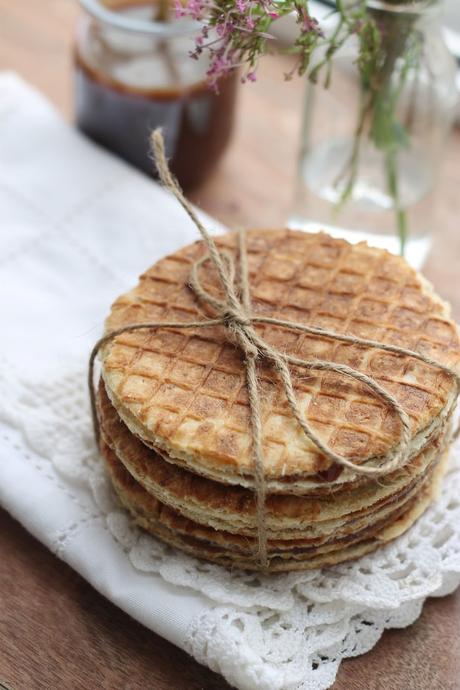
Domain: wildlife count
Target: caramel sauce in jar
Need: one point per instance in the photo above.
(128, 82)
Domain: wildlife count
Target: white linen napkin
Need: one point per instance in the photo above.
(76, 228)
(75, 223)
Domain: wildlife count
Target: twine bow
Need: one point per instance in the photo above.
(233, 312)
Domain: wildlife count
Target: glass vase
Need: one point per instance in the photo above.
(369, 159)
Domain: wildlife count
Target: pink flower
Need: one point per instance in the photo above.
(235, 32)
(180, 11)
(223, 29)
(310, 24)
(195, 8)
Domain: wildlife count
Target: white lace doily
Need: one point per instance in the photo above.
(280, 632)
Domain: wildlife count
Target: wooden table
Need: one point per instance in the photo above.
(56, 632)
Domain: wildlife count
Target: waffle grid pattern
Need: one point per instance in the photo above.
(190, 385)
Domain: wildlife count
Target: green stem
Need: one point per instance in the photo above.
(393, 189)
(379, 102)
(350, 170)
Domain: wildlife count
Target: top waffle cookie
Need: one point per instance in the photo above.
(184, 393)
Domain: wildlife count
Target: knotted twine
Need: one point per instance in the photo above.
(233, 312)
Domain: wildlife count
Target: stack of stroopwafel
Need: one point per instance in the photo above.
(174, 414)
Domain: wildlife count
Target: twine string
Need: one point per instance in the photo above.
(233, 312)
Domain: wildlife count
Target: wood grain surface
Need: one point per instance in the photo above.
(56, 632)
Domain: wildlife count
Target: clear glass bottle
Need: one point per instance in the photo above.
(369, 172)
(133, 72)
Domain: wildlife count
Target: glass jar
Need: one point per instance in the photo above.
(369, 158)
(134, 72)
